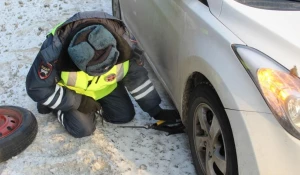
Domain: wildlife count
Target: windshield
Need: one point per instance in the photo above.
(286, 5)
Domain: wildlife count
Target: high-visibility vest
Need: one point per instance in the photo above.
(96, 87)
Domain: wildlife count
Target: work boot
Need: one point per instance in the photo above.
(167, 115)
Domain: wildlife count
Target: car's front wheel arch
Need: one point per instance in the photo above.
(194, 80)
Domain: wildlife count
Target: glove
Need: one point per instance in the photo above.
(43, 109)
(88, 105)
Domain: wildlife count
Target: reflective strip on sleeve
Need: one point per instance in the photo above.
(144, 93)
(49, 100)
(58, 101)
(141, 87)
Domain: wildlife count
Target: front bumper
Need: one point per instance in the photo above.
(262, 145)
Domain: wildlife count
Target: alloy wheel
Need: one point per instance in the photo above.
(208, 141)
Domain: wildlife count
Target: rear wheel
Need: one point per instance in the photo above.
(18, 128)
(210, 134)
(116, 10)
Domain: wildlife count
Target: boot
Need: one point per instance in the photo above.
(167, 115)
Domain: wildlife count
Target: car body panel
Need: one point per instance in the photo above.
(160, 41)
(195, 52)
(204, 34)
(262, 145)
(215, 7)
(275, 33)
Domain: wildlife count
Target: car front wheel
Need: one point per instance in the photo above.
(210, 134)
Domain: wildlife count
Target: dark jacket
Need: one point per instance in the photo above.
(41, 81)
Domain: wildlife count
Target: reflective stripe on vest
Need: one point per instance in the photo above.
(96, 87)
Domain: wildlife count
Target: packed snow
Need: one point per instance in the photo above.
(111, 149)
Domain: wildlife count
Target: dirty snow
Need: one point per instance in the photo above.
(110, 150)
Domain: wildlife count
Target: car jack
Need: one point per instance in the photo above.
(174, 127)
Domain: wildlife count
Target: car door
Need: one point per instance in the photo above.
(158, 25)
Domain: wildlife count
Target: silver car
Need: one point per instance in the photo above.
(230, 67)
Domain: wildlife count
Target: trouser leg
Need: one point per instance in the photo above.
(117, 106)
(76, 123)
(141, 88)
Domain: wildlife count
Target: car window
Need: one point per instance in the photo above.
(284, 5)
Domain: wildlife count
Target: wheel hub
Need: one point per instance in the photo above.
(8, 123)
(209, 141)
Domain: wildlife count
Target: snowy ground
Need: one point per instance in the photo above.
(110, 150)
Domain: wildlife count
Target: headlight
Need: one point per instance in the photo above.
(280, 89)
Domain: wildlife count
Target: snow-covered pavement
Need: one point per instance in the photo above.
(110, 150)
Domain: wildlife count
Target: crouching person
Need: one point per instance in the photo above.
(83, 67)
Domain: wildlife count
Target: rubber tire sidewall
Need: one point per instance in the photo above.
(206, 94)
(21, 138)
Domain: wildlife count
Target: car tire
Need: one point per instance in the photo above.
(116, 10)
(18, 128)
(210, 136)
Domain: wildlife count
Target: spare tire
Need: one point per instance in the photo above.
(18, 128)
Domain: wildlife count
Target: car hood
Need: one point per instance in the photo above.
(275, 33)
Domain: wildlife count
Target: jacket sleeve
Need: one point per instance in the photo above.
(42, 87)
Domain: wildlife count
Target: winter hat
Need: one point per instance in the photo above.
(93, 50)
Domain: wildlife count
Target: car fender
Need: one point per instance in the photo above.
(232, 83)
(215, 7)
